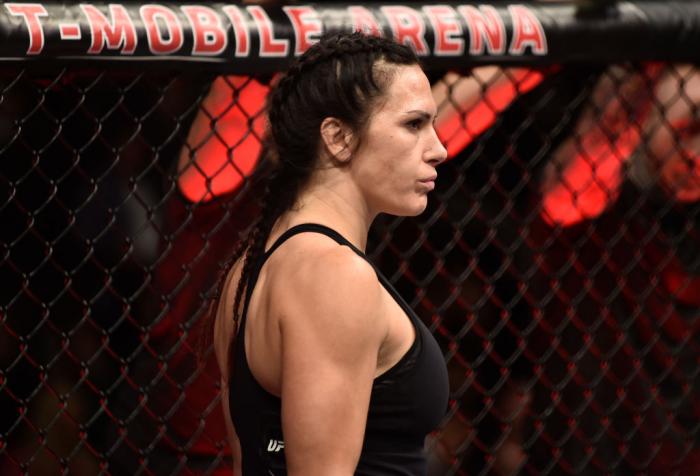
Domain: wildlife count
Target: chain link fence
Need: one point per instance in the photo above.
(558, 265)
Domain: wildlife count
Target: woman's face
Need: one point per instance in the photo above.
(675, 141)
(394, 166)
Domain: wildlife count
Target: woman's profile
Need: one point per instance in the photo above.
(325, 369)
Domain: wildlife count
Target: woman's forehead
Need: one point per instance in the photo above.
(409, 90)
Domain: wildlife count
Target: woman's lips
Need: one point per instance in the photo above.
(429, 182)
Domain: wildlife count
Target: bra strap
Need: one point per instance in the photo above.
(312, 227)
(295, 230)
(338, 238)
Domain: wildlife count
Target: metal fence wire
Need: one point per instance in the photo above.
(557, 265)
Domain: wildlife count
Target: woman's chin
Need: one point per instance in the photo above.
(413, 210)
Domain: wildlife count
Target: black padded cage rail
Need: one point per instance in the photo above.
(557, 264)
(261, 39)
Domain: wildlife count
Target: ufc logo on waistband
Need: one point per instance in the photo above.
(274, 446)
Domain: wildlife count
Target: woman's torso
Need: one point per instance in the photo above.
(408, 398)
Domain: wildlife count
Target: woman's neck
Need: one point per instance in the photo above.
(333, 208)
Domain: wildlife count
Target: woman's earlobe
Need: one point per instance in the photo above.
(337, 139)
(344, 155)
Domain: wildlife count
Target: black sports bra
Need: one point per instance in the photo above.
(407, 401)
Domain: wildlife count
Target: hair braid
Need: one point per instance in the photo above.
(255, 244)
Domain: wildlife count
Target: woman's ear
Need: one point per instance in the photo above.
(337, 139)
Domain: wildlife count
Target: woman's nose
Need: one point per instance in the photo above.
(437, 153)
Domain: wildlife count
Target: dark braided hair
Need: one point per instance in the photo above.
(341, 76)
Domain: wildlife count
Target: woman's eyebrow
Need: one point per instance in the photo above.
(423, 114)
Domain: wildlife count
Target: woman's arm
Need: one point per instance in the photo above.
(224, 329)
(332, 329)
(231, 431)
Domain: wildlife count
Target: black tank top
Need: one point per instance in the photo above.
(407, 401)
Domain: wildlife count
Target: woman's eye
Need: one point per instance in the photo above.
(415, 124)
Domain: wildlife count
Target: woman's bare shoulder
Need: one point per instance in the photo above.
(323, 284)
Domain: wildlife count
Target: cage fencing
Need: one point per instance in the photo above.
(558, 263)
